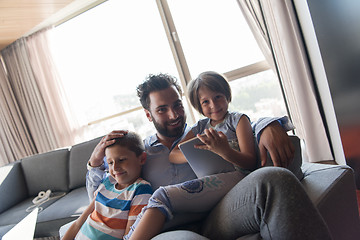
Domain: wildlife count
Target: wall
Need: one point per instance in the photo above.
(337, 28)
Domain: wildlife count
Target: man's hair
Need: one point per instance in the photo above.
(211, 80)
(131, 141)
(153, 83)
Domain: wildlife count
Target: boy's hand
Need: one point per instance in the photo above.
(98, 154)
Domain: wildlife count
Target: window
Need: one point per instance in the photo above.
(104, 53)
(214, 35)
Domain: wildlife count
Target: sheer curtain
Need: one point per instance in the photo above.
(33, 118)
(275, 27)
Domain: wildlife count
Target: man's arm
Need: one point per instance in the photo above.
(272, 138)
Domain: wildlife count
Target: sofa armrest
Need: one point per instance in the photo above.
(332, 189)
(12, 186)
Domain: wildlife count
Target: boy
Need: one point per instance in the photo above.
(120, 197)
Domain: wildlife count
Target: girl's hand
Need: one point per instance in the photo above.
(214, 141)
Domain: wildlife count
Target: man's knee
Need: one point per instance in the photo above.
(273, 175)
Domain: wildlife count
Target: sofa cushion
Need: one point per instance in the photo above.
(15, 214)
(79, 156)
(46, 171)
(179, 235)
(12, 186)
(71, 205)
(51, 219)
(5, 229)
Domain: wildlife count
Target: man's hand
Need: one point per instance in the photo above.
(275, 140)
(98, 154)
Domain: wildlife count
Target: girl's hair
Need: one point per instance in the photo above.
(131, 141)
(213, 81)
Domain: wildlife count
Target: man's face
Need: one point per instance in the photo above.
(167, 112)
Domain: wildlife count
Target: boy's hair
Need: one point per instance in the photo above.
(213, 81)
(153, 83)
(131, 141)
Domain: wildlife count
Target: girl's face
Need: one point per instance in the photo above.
(214, 105)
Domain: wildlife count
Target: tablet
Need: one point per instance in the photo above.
(204, 162)
(25, 229)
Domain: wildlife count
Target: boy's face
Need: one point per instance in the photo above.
(124, 165)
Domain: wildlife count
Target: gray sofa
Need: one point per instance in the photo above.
(61, 171)
(330, 187)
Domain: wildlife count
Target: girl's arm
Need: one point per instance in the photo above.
(176, 156)
(150, 225)
(128, 226)
(75, 227)
(217, 142)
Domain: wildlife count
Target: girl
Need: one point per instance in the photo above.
(222, 132)
(228, 134)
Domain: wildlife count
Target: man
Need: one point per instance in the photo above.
(269, 201)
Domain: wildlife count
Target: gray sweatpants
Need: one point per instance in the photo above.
(269, 201)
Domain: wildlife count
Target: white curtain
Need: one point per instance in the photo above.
(15, 140)
(33, 118)
(51, 89)
(276, 29)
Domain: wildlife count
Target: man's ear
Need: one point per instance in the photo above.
(148, 115)
(143, 158)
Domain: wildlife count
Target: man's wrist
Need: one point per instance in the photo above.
(89, 166)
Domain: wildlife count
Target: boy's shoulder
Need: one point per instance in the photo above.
(141, 181)
(142, 186)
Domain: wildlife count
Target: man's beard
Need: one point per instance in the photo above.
(175, 132)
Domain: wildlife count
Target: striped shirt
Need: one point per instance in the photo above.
(113, 209)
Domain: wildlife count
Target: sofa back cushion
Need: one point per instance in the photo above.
(47, 171)
(79, 156)
(12, 186)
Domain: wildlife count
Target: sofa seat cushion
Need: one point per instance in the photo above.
(72, 204)
(5, 229)
(61, 212)
(15, 214)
